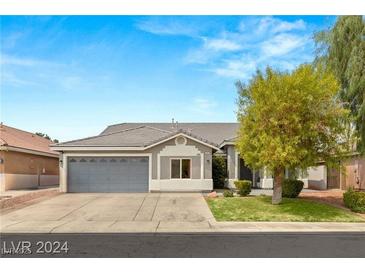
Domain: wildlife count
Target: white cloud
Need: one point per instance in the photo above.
(211, 49)
(257, 42)
(169, 27)
(12, 39)
(288, 26)
(13, 80)
(203, 106)
(274, 25)
(25, 62)
(221, 45)
(282, 44)
(24, 71)
(198, 56)
(236, 68)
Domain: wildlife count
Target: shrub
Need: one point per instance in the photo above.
(243, 187)
(228, 193)
(219, 171)
(354, 200)
(292, 188)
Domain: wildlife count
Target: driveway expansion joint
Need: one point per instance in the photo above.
(139, 209)
(158, 225)
(72, 211)
(154, 210)
(57, 226)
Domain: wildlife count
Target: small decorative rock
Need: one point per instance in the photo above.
(213, 194)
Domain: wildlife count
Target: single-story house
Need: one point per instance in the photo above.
(143, 157)
(26, 160)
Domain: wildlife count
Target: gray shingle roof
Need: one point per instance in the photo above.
(132, 137)
(213, 132)
(145, 134)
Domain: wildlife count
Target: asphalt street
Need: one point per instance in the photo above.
(186, 245)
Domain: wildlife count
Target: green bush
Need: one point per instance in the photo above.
(292, 188)
(243, 187)
(228, 193)
(219, 171)
(354, 200)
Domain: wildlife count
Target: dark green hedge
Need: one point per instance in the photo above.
(228, 193)
(354, 200)
(243, 187)
(219, 171)
(292, 188)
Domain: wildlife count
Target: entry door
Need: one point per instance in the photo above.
(333, 178)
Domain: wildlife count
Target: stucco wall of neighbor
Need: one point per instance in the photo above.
(25, 163)
(26, 181)
(48, 180)
(18, 181)
(354, 173)
(317, 177)
(22, 170)
(2, 166)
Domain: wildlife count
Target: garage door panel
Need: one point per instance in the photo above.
(108, 174)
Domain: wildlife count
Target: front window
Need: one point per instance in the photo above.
(180, 169)
(175, 169)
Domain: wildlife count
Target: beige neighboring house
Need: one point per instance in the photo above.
(26, 160)
(351, 175)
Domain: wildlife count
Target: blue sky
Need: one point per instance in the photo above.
(71, 76)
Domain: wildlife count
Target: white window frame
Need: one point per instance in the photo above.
(191, 168)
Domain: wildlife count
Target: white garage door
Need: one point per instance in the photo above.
(108, 174)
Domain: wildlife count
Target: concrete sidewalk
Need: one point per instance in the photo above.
(175, 227)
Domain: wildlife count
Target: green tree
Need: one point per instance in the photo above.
(289, 120)
(342, 49)
(46, 137)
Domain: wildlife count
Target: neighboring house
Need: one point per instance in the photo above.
(352, 174)
(26, 160)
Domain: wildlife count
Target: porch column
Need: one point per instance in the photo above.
(202, 166)
(231, 166)
(158, 166)
(237, 164)
(268, 181)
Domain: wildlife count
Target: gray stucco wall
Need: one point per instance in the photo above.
(165, 162)
(208, 165)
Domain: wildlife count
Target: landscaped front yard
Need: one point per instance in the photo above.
(251, 209)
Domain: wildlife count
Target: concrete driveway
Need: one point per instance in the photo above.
(114, 212)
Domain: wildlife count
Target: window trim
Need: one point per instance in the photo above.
(180, 159)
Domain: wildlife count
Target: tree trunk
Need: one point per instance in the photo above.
(278, 179)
